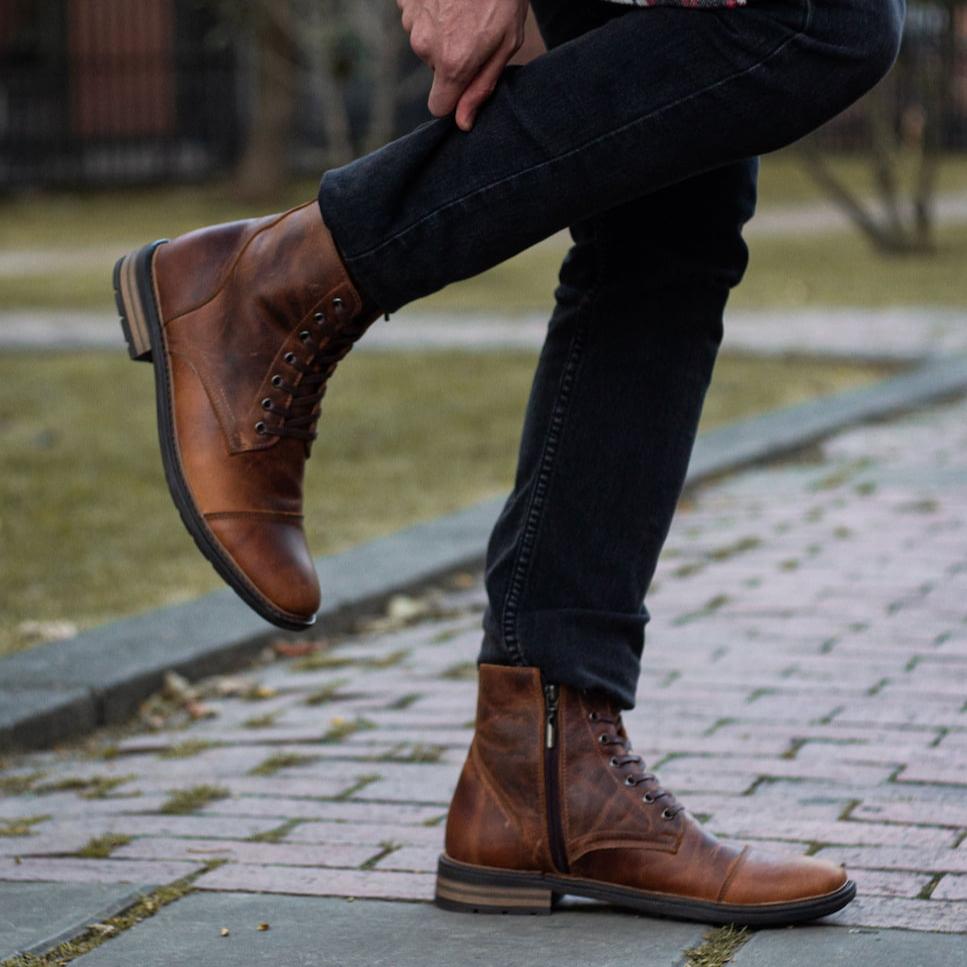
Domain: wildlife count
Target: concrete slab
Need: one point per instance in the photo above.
(42, 716)
(308, 932)
(35, 917)
(842, 947)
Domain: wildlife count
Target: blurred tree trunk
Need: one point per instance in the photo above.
(263, 168)
(900, 220)
(387, 39)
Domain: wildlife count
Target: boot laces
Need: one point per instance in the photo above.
(308, 387)
(637, 774)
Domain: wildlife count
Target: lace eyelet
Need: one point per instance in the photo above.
(337, 303)
(592, 716)
(614, 762)
(667, 814)
(648, 798)
(260, 428)
(267, 404)
(276, 380)
(289, 358)
(305, 335)
(630, 781)
(604, 738)
(319, 316)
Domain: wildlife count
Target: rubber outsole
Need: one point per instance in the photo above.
(464, 888)
(134, 296)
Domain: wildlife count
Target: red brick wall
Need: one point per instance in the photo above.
(122, 67)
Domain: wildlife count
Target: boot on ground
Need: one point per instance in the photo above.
(552, 801)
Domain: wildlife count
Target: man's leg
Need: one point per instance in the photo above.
(612, 418)
(244, 323)
(609, 429)
(643, 101)
(550, 784)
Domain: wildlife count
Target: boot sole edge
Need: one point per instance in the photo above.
(465, 888)
(141, 324)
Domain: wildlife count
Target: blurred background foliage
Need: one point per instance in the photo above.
(124, 120)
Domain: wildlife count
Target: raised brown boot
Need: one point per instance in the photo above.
(551, 801)
(244, 323)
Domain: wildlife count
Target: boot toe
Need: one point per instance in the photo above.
(272, 553)
(763, 877)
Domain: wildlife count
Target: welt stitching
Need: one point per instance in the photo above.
(591, 142)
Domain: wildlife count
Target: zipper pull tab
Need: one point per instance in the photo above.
(551, 694)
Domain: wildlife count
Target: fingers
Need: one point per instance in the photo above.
(480, 88)
(454, 69)
(444, 95)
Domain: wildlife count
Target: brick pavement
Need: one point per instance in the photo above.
(805, 685)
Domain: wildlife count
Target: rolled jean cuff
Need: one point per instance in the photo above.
(336, 209)
(596, 650)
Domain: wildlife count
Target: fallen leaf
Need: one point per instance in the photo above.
(199, 710)
(177, 688)
(402, 607)
(230, 685)
(46, 630)
(295, 649)
(223, 932)
(262, 927)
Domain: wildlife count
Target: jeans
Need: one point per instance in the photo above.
(639, 131)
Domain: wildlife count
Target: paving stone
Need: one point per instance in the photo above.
(827, 770)
(898, 858)
(286, 853)
(311, 882)
(839, 833)
(35, 917)
(880, 911)
(418, 859)
(48, 841)
(355, 811)
(308, 932)
(916, 812)
(836, 947)
(890, 883)
(93, 871)
(951, 887)
(189, 826)
(370, 834)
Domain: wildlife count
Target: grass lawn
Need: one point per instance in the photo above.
(90, 230)
(834, 270)
(88, 530)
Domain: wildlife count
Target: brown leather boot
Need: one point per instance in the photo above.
(551, 801)
(244, 323)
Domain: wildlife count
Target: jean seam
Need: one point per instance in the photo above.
(520, 571)
(538, 501)
(591, 142)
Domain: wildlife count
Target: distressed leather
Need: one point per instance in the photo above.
(234, 300)
(498, 817)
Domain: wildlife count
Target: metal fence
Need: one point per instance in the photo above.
(95, 91)
(122, 91)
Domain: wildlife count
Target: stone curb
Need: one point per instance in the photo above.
(63, 690)
(78, 921)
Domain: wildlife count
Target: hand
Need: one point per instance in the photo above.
(466, 44)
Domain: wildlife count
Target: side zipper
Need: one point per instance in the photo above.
(552, 790)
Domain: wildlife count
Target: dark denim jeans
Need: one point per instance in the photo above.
(638, 130)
